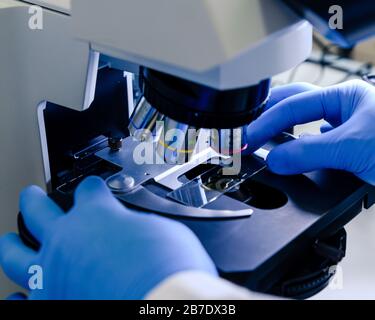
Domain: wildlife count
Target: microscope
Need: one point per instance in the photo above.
(154, 97)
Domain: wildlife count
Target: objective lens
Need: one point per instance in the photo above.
(143, 120)
(177, 142)
(228, 142)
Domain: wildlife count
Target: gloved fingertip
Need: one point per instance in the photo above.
(91, 186)
(32, 190)
(28, 193)
(5, 240)
(94, 180)
(278, 161)
(91, 183)
(325, 128)
(252, 139)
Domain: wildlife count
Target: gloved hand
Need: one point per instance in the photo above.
(99, 250)
(347, 141)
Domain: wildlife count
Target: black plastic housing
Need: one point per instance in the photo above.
(201, 106)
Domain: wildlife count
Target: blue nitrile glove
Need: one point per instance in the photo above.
(99, 250)
(347, 141)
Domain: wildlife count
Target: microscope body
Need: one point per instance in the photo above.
(67, 94)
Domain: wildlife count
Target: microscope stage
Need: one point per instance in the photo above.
(256, 230)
